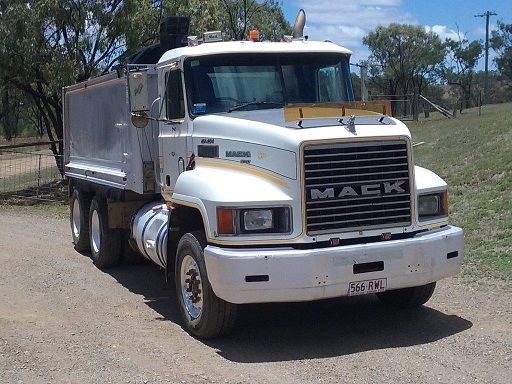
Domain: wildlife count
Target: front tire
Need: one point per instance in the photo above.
(204, 314)
(408, 297)
(79, 204)
(105, 243)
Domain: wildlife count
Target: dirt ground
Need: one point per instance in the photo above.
(64, 321)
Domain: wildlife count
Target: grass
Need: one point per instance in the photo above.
(474, 155)
(29, 138)
(58, 210)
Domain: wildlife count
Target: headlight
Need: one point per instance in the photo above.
(257, 219)
(236, 221)
(433, 205)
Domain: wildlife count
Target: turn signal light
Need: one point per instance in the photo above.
(225, 221)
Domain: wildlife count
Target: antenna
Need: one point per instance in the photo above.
(486, 14)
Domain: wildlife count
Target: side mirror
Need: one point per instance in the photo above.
(139, 98)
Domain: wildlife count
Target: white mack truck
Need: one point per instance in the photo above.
(248, 173)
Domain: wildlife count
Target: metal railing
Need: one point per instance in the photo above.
(30, 171)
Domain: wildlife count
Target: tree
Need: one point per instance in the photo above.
(49, 44)
(501, 42)
(204, 15)
(356, 85)
(403, 58)
(242, 15)
(463, 57)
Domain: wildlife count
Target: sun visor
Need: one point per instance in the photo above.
(295, 112)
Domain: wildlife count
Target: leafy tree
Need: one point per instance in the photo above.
(463, 57)
(500, 90)
(403, 58)
(501, 42)
(242, 15)
(52, 43)
(204, 15)
(356, 85)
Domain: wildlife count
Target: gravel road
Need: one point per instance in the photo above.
(64, 321)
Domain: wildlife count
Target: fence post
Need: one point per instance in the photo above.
(415, 104)
(38, 175)
(363, 66)
(480, 103)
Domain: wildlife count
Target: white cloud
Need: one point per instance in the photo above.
(347, 22)
(444, 32)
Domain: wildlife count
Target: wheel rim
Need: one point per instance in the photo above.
(191, 287)
(76, 219)
(95, 232)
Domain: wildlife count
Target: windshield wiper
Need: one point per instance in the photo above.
(249, 103)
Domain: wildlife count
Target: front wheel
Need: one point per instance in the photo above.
(204, 314)
(408, 297)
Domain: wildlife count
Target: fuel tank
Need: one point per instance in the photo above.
(149, 230)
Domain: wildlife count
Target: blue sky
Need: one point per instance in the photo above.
(347, 21)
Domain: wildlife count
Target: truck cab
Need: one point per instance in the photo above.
(263, 181)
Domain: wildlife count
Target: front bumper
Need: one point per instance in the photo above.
(303, 275)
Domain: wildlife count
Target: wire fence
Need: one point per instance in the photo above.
(31, 172)
(401, 105)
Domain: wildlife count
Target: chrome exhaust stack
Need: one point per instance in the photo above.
(298, 26)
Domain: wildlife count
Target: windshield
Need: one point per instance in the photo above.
(225, 83)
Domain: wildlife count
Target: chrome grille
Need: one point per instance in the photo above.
(356, 186)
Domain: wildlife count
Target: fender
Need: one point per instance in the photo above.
(218, 182)
(427, 181)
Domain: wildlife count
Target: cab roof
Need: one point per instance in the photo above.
(252, 47)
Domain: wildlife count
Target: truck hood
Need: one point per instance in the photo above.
(268, 127)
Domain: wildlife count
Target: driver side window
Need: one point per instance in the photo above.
(175, 104)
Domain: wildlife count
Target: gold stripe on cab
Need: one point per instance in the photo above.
(250, 169)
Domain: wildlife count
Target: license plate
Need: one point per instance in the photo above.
(366, 286)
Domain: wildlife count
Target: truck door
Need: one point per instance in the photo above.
(173, 131)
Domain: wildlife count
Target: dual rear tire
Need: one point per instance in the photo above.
(90, 231)
(80, 203)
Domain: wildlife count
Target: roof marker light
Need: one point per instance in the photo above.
(254, 35)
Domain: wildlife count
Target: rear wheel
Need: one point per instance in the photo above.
(105, 243)
(79, 204)
(204, 314)
(408, 297)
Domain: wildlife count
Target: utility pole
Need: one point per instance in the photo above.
(487, 14)
(363, 71)
(363, 66)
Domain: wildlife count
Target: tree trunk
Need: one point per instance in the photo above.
(467, 97)
(6, 115)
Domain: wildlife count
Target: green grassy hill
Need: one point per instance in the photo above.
(474, 155)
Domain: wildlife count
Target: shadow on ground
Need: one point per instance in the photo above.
(296, 331)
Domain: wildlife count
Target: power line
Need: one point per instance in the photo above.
(486, 14)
